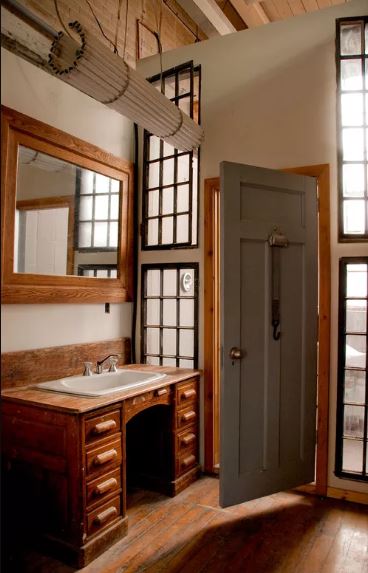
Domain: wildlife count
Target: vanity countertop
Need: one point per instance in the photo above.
(75, 404)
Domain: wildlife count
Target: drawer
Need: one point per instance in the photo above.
(186, 462)
(186, 416)
(104, 458)
(138, 403)
(103, 516)
(186, 392)
(187, 440)
(102, 426)
(103, 487)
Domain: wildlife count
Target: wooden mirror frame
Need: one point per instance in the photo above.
(18, 129)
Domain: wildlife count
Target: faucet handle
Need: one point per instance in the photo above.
(87, 369)
(113, 363)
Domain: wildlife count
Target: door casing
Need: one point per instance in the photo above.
(212, 323)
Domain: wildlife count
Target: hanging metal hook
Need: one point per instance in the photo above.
(276, 334)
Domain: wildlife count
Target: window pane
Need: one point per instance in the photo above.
(154, 147)
(186, 282)
(351, 75)
(354, 217)
(153, 340)
(170, 87)
(356, 316)
(101, 273)
(354, 421)
(153, 202)
(102, 183)
(153, 312)
(351, 39)
(113, 273)
(183, 168)
(113, 235)
(154, 360)
(167, 230)
(85, 208)
(154, 174)
(169, 286)
(353, 180)
(352, 456)
(100, 235)
(101, 207)
(86, 184)
(355, 349)
(186, 342)
(186, 363)
(167, 200)
(168, 172)
(152, 232)
(182, 229)
(169, 341)
(85, 235)
(168, 149)
(352, 144)
(115, 186)
(356, 280)
(187, 312)
(182, 198)
(352, 109)
(153, 282)
(184, 105)
(169, 312)
(354, 386)
(114, 207)
(168, 361)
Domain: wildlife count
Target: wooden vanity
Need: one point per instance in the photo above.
(66, 457)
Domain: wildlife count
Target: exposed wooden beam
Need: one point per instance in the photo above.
(252, 14)
(215, 15)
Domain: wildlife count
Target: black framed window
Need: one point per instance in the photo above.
(352, 405)
(97, 212)
(170, 181)
(352, 106)
(169, 322)
(98, 271)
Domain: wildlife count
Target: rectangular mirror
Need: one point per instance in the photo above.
(67, 217)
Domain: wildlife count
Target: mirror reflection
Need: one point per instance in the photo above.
(67, 218)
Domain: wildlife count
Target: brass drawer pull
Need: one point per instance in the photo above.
(189, 394)
(105, 486)
(104, 516)
(161, 392)
(105, 457)
(103, 427)
(188, 461)
(188, 416)
(188, 439)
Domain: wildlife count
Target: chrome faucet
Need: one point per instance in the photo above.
(114, 358)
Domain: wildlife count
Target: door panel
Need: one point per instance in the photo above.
(268, 400)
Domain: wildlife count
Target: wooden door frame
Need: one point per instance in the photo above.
(212, 322)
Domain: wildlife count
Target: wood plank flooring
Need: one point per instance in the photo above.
(283, 533)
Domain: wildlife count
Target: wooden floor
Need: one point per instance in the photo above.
(284, 533)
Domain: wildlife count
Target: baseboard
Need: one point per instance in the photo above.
(347, 495)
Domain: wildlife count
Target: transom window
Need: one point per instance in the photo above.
(352, 82)
(170, 314)
(352, 413)
(97, 215)
(99, 271)
(170, 182)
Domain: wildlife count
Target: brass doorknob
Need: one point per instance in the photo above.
(235, 353)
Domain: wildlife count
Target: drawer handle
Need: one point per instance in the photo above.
(104, 516)
(188, 439)
(189, 394)
(103, 427)
(105, 457)
(188, 416)
(105, 486)
(188, 461)
(161, 392)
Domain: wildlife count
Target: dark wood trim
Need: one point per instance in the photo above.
(211, 321)
(24, 367)
(18, 129)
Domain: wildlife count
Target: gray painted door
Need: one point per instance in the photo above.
(268, 395)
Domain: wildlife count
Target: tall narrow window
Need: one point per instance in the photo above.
(352, 82)
(352, 410)
(170, 182)
(170, 314)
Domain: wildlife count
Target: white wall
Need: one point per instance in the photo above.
(33, 92)
(269, 99)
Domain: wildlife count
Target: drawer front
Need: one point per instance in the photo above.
(138, 403)
(103, 487)
(187, 440)
(102, 426)
(186, 416)
(186, 462)
(103, 516)
(186, 392)
(104, 458)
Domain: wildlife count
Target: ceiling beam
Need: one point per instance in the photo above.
(252, 13)
(209, 16)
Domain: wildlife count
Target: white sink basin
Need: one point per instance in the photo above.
(101, 384)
